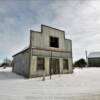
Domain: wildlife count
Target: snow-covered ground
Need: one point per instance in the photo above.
(83, 84)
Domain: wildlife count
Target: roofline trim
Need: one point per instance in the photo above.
(20, 52)
(51, 27)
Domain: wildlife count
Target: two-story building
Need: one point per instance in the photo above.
(49, 52)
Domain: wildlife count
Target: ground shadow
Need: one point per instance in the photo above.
(9, 75)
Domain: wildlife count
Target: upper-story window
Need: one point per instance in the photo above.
(54, 42)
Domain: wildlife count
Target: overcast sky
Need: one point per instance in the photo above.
(80, 19)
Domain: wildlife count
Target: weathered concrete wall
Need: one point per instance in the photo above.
(21, 63)
(34, 72)
(70, 62)
(47, 65)
(45, 53)
(65, 71)
(61, 65)
(48, 31)
(41, 39)
(36, 39)
(33, 66)
(68, 45)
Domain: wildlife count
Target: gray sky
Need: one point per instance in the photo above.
(79, 18)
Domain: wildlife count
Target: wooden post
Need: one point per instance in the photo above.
(43, 76)
(86, 58)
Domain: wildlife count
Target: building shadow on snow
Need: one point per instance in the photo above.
(9, 76)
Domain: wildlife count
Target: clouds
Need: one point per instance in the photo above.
(17, 17)
(79, 18)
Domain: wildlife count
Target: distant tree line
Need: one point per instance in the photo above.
(80, 63)
(6, 63)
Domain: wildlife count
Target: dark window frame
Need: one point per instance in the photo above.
(40, 63)
(54, 42)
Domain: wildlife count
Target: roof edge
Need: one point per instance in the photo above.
(20, 52)
(51, 27)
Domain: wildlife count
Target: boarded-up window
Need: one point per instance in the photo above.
(40, 63)
(65, 64)
(54, 42)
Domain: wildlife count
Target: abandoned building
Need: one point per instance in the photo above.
(94, 59)
(49, 52)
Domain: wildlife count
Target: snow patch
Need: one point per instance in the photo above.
(83, 84)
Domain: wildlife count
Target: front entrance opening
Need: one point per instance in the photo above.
(54, 66)
(65, 64)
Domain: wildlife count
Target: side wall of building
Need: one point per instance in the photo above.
(93, 62)
(21, 63)
(68, 45)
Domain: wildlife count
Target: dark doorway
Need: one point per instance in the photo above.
(54, 65)
(65, 64)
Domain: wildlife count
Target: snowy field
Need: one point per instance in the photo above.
(83, 84)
